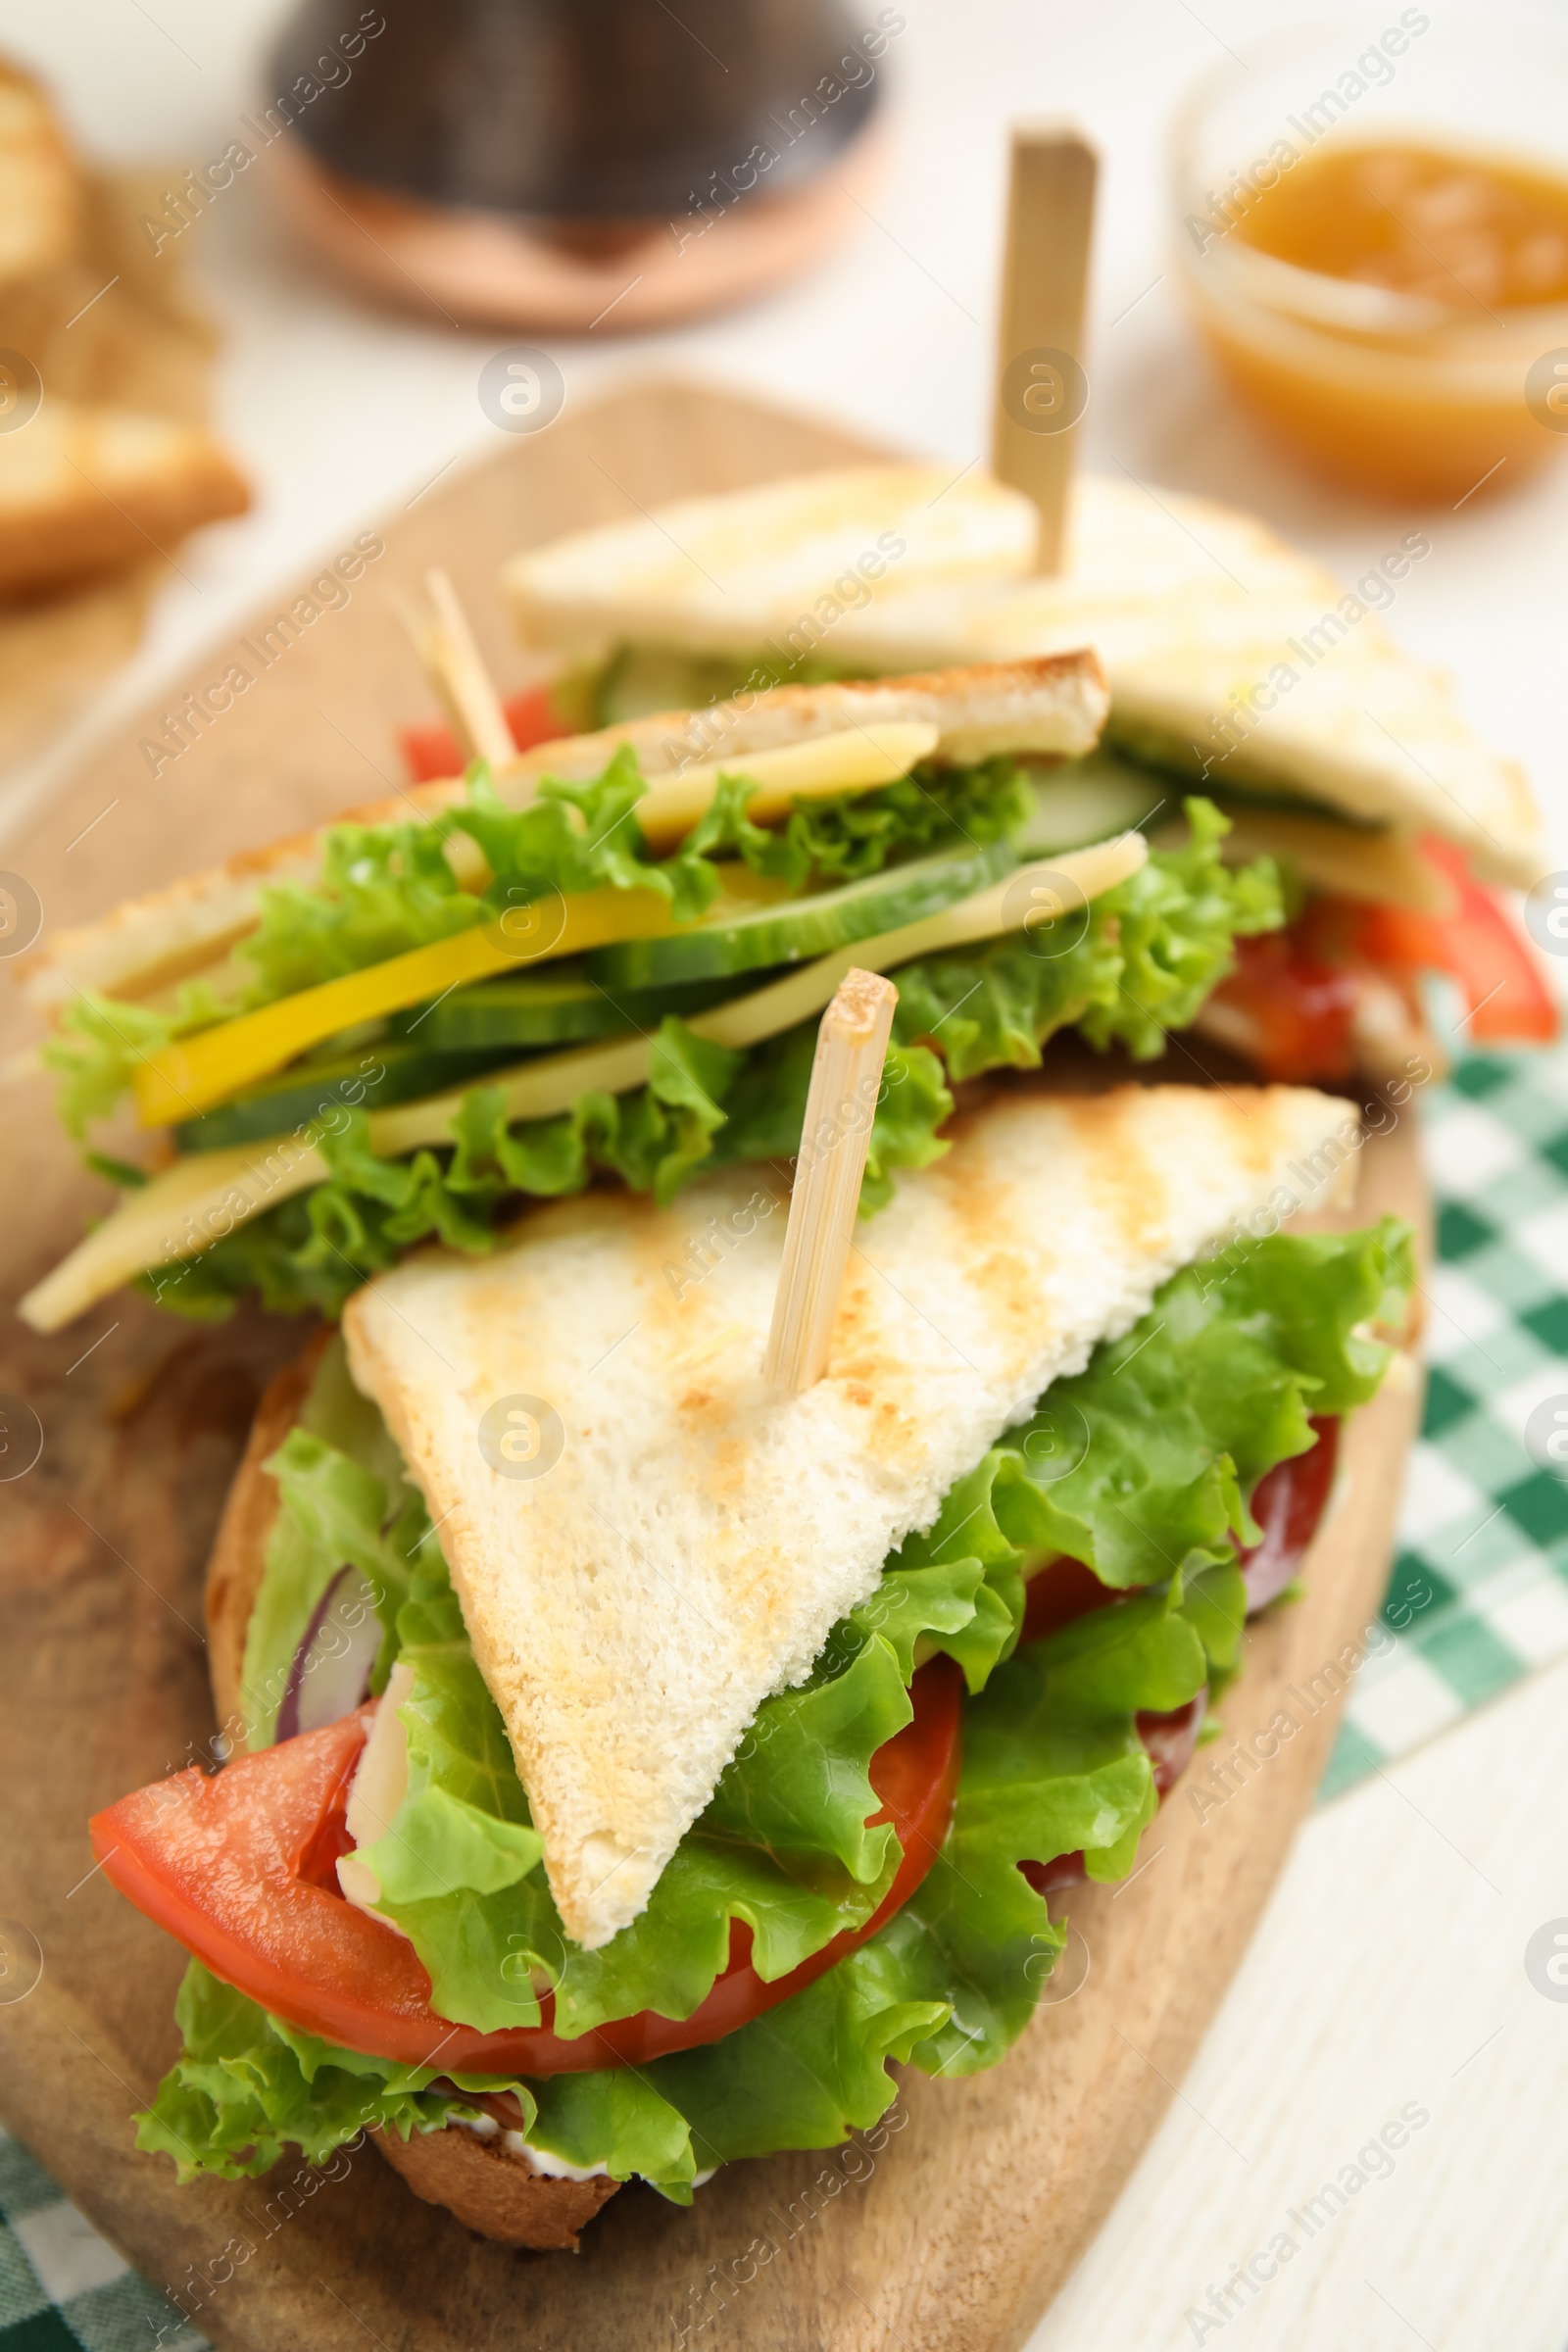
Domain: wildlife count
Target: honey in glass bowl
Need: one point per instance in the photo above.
(1382, 279)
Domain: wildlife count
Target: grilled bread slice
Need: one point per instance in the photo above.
(692, 1537)
(1231, 655)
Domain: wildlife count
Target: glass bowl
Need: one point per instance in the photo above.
(1391, 392)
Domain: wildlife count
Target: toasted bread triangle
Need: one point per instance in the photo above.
(1231, 654)
(672, 1542)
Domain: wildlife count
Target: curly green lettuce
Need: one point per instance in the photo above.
(1136, 961)
(384, 889)
(1053, 1764)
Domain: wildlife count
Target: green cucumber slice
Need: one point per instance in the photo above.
(641, 678)
(316, 1090)
(559, 1007)
(638, 680)
(1089, 799)
(540, 1009)
(795, 929)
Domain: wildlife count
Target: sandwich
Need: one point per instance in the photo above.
(1235, 665)
(626, 1760)
(606, 959)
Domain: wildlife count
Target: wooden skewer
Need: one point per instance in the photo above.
(456, 669)
(851, 1047)
(1051, 210)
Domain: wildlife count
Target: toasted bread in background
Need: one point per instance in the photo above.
(85, 491)
(114, 467)
(723, 573)
(41, 187)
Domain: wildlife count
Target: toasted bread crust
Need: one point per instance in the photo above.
(488, 2187)
(494, 2191)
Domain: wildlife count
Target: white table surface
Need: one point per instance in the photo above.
(1390, 1967)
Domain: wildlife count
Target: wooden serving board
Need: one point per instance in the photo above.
(949, 2227)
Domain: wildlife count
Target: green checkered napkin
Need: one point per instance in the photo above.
(1479, 1595)
(1480, 1588)
(62, 2288)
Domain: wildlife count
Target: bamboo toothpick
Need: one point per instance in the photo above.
(851, 1047)
(456, 669)
(1051, 210)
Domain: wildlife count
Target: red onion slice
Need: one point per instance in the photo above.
(331, 1671)
(1289, 1505)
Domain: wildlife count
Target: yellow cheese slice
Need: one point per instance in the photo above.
(856, 759)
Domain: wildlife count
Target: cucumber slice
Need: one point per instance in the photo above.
(315, 1089)
(1088, 800)
(641, 678)
(536, 1011)
(797, 928)
(1149, 747)
(644, 678)
(553, 1007)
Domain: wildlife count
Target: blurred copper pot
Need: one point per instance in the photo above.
(567, 164)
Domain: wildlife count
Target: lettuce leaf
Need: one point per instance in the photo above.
(1135, 963)
(384, 890)
(1144, 1463)
(464, 1824)
(841, 840)
(99, 1043)
(246, 2085)
(1052, 1763)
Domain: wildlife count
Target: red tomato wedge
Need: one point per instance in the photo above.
(1298, 989)
(236, 1866)
(432, 750)
(1298, 1004)
(1477, 941)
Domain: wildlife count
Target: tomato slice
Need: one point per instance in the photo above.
(1477, 941)
(432, 750)
(1299, 1005)
(1297, 989)
(1057, 1593)
(239, 1867)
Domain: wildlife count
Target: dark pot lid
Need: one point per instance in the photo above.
(588, 108)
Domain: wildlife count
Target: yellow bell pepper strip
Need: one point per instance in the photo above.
(195, 1072)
